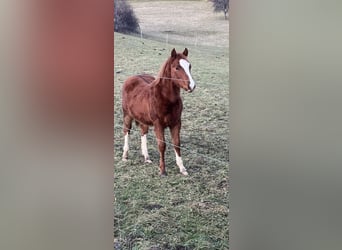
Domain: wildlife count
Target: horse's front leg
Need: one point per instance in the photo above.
(175, 131)
(159, 131)
(127, 129)
(144, 151)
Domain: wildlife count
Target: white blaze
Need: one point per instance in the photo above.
(185, 65)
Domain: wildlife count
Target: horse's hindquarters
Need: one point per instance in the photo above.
(136, 96)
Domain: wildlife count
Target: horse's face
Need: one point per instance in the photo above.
(181, 71)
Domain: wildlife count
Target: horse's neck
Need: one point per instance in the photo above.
(167, 90)
(164, 87)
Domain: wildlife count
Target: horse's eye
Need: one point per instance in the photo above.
(177, 68)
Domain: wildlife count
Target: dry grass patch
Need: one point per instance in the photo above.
(185, 22)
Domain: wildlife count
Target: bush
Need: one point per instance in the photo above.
(221, 5)
(125, 20)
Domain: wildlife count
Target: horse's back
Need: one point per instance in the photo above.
(136, 85)
(137, 81)
(146, 78)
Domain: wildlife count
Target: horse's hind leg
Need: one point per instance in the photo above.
(127, 128)
(175, 130)
(144, 151)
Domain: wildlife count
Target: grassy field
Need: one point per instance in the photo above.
(190, 22)
(175, 212)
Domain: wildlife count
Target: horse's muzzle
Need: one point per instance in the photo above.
(190, 90)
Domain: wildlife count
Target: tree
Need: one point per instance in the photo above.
(125, 20)
(221, 5)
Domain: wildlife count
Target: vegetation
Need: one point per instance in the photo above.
(182, 22)
(125, 20)
(175, 212)
(221, 5)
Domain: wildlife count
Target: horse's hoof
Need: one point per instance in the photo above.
(124, 159)
(185, 173)
(163, 174)
(148, 161)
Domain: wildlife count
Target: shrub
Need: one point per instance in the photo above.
(125, 20)
(221, 5)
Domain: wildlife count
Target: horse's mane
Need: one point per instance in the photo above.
(165, 71)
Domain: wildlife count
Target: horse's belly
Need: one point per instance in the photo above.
(140, 112)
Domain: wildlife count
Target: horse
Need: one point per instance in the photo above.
(156, 102)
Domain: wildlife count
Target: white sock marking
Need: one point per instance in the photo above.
(179, 162)
(185, 65)
(125, 148)
(144, 148)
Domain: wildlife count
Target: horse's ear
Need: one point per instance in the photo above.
(173, 53)
(185, 52)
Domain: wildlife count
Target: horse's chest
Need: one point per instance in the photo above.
(170, 114)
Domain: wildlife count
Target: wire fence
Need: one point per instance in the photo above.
(139, 46)
(198, 82)
(144, 41)
(224, 162)
(216, 57)
(169, 78)
(120, 72)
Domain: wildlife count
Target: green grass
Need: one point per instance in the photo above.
(175, 212)
(166, 0)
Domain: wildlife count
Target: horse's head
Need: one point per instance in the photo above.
(181, 70)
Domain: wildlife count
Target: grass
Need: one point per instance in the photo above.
(182, 22)
(175, 212)
(166, 0)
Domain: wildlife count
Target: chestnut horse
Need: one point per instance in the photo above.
(157, 102)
